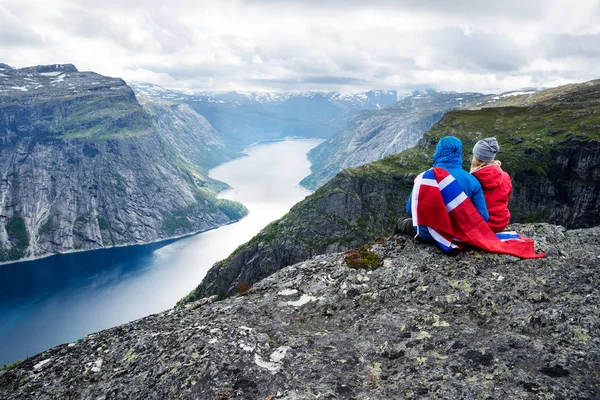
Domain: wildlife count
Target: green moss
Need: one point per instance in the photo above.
(460, 285)
(362, 258)
(8, 367)
(130, 356)
(580, 335)
(188, 298)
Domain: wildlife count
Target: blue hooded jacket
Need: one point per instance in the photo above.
(448, 155)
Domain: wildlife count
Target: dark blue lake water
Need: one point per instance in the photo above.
(62, 298)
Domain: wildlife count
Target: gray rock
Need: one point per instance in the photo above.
(422, 325)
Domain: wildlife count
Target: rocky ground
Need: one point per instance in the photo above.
(420, 324)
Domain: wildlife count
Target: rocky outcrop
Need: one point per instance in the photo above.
(417, 324)
(551, 149)
(370, 136)
(82, 167)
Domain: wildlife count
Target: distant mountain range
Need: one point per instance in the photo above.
(247, 117)
(360, 127)
(373, 99)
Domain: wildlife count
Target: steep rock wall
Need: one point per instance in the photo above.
(82, 167)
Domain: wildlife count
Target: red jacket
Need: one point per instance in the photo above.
(497, 189)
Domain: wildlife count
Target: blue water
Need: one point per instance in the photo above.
(62, 298)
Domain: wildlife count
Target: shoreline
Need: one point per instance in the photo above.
(170, 238)
(167, 239)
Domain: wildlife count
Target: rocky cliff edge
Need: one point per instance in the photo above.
(410, 322)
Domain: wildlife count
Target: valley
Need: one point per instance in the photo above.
(62, 298)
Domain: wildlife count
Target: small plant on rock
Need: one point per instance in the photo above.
(243, 288)
(362, 258)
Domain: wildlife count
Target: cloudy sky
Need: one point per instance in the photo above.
(342, 45)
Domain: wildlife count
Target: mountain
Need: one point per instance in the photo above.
(82, 166)
(372, 135)
(312, 106)
(198, 143)
(414, 324)
(244, 118)
(550, 147)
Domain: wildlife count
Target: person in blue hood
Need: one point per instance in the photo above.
(448, 155)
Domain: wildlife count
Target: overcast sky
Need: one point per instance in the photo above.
(340, 45)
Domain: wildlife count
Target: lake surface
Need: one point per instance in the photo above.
(62, 298)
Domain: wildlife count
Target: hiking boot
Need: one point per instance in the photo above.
(405, 226)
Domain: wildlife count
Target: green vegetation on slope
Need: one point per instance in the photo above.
(103, 119)
(549, 147)
(19, 238)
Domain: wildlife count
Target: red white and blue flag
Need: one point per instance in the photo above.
(439, 203)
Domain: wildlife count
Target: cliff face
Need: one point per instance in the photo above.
(417, 324)
(370, 136)
(551, 148)
(82, 167)
(191, 138)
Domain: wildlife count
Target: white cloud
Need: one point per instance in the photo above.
(310, 45)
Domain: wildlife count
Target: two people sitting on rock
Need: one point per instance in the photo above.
(448, 205)
(448, 155)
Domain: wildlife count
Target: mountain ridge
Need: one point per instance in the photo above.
(372, 135)
(248, 117)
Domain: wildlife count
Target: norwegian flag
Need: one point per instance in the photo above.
(439, 203)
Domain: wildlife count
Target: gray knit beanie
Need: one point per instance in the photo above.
(486, 149)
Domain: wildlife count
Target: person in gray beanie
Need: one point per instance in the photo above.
(486, 149)
(495, 183)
